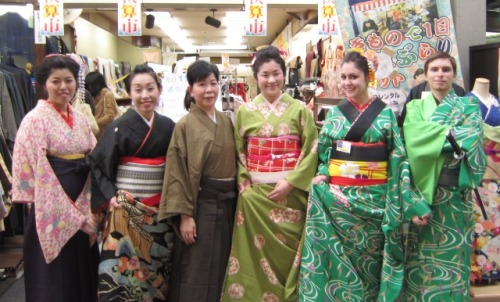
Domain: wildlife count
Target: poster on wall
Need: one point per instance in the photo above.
(398, 36)
(129, 18)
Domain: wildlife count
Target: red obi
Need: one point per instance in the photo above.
(273, 154)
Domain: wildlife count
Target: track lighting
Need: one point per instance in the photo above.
(211, 20)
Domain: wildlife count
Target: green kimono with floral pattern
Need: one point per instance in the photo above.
(265, 253)
(439, 261)
(354, 252)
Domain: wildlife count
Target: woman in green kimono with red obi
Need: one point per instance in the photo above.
(276, 145)
(352, 248)
(440, 244)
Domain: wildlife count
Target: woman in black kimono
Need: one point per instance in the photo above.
(128, 164)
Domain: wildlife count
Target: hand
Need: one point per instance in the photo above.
(114, 204)
(280, 191)
(188, 229)
(91, 224)
(421, 221)
(319, 179)
(244, 185)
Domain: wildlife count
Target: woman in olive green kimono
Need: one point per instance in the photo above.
(199, 190)
(352, 248)
(440, 244)
(275, 140)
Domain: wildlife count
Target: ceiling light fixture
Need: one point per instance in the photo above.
(150, 19)
(211, 20)
(172, 29)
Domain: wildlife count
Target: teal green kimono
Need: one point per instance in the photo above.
(438, 266)
(355, 252)
(265, 252)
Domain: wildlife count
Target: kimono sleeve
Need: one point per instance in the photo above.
(325, 145)
(30, 143)
(104, 161)
(241, 145)
(469, 136)
(177, 197)
(303, 173)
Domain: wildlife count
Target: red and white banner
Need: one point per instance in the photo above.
(129, 18)
(371, 5)
(256, 17)
(51, 18)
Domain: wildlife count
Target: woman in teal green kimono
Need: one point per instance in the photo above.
(352, 248)
(440, 244)
(275, 140)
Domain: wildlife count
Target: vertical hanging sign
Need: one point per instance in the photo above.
(256, 17)
(327, 18)
(51, 18)
(39, 39)
(129, 18)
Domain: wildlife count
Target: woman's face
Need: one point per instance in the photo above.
(205, 93)
(440, 75)
(270, 79)
(354, 82)
(61, 87)
(144, 92)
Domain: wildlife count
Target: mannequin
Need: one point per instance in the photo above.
(482, 88)
(489, 104)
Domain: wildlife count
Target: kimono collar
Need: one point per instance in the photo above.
(149, 123)
(202, 115)
(67, 118)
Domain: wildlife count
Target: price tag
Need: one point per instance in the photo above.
(344, 146)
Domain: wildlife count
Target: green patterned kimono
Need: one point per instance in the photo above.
(438, 264)
(265, 253)
(355, 253)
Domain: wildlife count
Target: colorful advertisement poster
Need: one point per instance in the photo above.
(129, 18)
(51, 18)
(398, 36)
(256, 17)
(327, 18)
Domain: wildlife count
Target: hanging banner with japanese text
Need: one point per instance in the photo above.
(327, 18)
(398, 36)
(129, 18)
(256, 17)
(51, 18)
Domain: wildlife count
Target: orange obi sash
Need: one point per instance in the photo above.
(273, 154)
(358, 164)
(142, 177)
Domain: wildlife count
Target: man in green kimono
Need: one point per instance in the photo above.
(440, 244)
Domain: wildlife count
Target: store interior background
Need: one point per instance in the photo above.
(95, 30)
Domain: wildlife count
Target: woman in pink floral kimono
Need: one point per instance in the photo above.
(51, 174)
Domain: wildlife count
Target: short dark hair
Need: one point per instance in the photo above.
(52, 62)
(359, 61)
(140, 69)
(199, 71)
(267, 54)
(440, 55)
(417, 73)
(95, 82)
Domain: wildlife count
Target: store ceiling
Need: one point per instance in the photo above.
(192, 21)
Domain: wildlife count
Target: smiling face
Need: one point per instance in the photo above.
(440, 75)
(61, 87)
(144, 92)
(205, 93)
(354, 82)
(270, 79)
